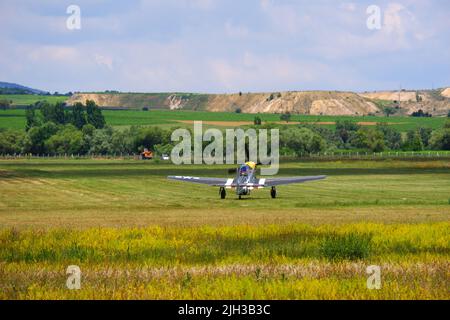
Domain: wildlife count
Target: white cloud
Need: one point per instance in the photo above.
(217, 46)
(104, 61)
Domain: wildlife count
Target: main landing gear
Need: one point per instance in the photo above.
(222, 193)
(273, 192)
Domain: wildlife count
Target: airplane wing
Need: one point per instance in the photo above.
(216, 182)
(271, 182)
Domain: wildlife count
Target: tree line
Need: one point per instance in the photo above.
(348, 135)
(82, 129)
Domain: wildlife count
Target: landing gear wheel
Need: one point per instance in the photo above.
(240, 197)
(273, 193)
(223, 193)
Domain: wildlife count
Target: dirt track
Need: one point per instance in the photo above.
(245, 123)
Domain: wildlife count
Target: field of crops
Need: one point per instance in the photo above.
(136, 235)
(15, 119)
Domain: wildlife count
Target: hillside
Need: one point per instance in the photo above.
(436, 102)
(295, 102)
(13, 88)
(308, 102)
(446, 93)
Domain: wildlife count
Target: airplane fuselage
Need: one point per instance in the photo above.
(244, 183)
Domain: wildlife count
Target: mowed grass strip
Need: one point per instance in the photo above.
(118, 193)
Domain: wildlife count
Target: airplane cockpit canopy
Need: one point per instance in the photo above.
(243, 170)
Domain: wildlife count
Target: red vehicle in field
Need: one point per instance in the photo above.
(146, 154)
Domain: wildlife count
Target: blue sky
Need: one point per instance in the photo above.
(219, 46)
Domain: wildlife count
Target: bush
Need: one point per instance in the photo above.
(369, 138)
(148, 137)
(345, 130)
(67, 140)
(302, 140)
(440, 139)
(4, 104)
(34, 141)
(285, 117)
(413, 141)
(11, 141)
(351, 246)
(101, 142)
(421, 114)
(392, 138)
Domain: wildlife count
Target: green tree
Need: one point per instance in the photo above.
(392, 138)
(425, 135)
(285, 117)
(11, 141)
(302, 140)
(32, 118)
(60, 113)
(88, 129)
(34, 141)
(421, 114)
(440, 139)
(88, 132)
(78, 116)
(257, 121)
(388, 111)
(4, 104)
(67, 140)
(123, 141)
(94, 115)
(149, 137)
(369, 138)
(413, 141)
(102, 141)
(161, 149)
(345, 130)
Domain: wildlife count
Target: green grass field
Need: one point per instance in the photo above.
(15, 119)
(136, 235)
(27, 99)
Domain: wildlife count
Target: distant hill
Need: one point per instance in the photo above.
(296, 102)
(14, 88)
(308, 102)
(435, 102)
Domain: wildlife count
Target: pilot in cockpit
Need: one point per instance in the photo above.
(243, 170)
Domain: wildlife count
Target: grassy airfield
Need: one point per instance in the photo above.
(136, 235)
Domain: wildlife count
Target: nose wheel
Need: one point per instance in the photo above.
(273, 192)
(222, 193)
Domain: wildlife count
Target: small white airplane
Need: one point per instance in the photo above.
(245, 181)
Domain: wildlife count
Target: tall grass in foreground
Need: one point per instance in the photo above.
(238, 262)
(158, 246)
